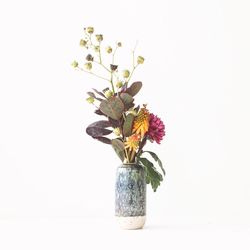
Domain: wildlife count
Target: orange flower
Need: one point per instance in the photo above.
(132, 142)
(141, 122)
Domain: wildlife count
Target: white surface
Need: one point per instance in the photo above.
(102, 233)
(196, 78)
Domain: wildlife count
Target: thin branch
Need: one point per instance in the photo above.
(113, 56)
(101, 64)
(93, 74)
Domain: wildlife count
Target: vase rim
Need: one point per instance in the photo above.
(130, 164)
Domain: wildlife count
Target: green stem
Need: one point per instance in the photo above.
(132, 72)
(112, 84)
(99, 52)
(113, 56)
(101, 64)
(126, 153)
(93, 74)
(132, 156)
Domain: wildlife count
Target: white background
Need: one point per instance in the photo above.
(57, 184)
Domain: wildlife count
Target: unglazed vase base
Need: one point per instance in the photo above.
(131, 222)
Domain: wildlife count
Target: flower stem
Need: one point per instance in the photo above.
(93, 74)
(132, 156)
(112, 84)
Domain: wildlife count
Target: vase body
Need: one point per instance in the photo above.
(130, 196)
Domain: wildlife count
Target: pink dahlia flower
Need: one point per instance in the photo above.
(156, 129)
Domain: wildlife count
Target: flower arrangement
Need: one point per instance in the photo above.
(130, 126)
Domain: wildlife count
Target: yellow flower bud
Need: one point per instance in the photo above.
(90, 30)
(90, 99)
(99, 38)
(88, 66)
(83, 43)
(108, 93)
(117, 131)
(109, 49)
(74, 64)
(140, 60)
(119, 84)
(126, 73)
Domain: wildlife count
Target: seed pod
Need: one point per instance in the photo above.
(74, 64)
(83, 43)
(99, 37)
(90, 99)
(113, 67)
(108, 93)
(88, 66)
(90, 30)
(89, 58)
(109, 50)
(119, 84)
(140, 60)
(117, 131)
(119, 44)
(126, 73)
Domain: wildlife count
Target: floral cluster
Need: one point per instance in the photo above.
(125, 126)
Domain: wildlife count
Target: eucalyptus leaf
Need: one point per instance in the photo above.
(99, 128)
(94, 96)
(99, 93)
(103, 139)
(126, 98)
(134, 88)
(118, 146)
(113, 108)
(128, 124)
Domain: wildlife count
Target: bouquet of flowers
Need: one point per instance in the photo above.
(123, 125)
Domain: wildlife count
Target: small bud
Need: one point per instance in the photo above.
(109, 49)
(117, 131)
(113, 67)
(74, 64)
(140, 60)
(126, 73)
(90, 99)
(108, 93)
(97, 48)
(119, 84)
(99, 38)
(131, 111)
(88, 66)
(119, 44)
(90, 30)
(89, 58)
(83, 43)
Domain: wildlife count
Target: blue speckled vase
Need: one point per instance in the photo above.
(130, 196)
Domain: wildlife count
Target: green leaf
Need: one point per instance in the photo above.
(112, 107)
(118, 146)
(153, 177)
(157, 159)
(128, 124)
(126, 98)
(134, 88)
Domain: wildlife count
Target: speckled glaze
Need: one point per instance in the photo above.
(130, 196)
